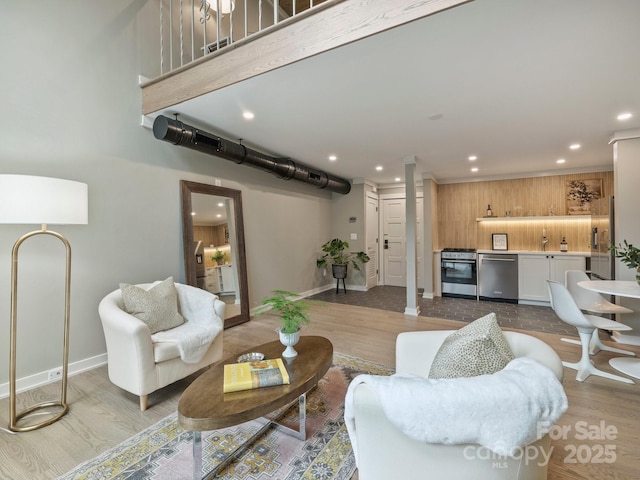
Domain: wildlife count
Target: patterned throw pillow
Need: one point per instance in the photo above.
(157, 307)
(476, 349)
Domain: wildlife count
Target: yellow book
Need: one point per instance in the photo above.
(249, 375)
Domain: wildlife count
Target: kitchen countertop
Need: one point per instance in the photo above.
(534, 252)
(527, 252)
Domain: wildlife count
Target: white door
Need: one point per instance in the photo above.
(393, 215)
(372, 241)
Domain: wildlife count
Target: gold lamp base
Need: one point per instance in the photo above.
(33, 410)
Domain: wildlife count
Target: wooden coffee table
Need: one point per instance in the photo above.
(203, 406)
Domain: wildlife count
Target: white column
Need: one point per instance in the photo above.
(411, 242)
(626, 173)
(427, 237)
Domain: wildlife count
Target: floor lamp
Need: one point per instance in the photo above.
(28, 199)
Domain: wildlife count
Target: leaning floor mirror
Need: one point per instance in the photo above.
(214, 253)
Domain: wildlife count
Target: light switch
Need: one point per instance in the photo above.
(354, 236)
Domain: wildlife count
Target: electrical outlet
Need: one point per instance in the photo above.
(55, 374)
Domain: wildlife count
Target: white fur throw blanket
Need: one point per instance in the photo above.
(499, 411)
(202, 325)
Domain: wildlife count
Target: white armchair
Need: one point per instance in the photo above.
(140, 365)
(385, 452)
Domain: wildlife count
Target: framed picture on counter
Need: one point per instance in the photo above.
(499, 241)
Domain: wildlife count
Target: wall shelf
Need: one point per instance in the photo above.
(539, 218)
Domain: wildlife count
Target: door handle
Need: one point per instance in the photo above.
(386, 244)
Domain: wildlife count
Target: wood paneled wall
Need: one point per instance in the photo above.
(460, 204)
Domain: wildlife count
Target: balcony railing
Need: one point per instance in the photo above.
(192, 29)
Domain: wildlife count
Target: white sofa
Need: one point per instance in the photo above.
(140, 366)
(384, 452)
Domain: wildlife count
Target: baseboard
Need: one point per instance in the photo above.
(413, 312)
(309, 293)
(536, 303)
(37, 379)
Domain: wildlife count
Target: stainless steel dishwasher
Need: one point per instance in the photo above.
(498, 277)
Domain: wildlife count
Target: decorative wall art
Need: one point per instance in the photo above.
(499, 241)
(580, 193)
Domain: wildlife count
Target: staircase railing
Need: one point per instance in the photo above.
(192, 29)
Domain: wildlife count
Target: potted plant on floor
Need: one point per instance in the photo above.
(629, 255)
(335, 251)
(293, 315)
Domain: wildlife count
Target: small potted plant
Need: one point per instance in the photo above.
(219, 257)
(293, 315)
(335, 252)
(629, 255)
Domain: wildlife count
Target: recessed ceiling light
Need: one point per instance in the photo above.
(193, 214)
(560, 160)
(474, 169)
(218, 215)
(624, 116)
(574, 146)
(379, 168)
(397, 179)
(473, 158)
(333, 158)
(248, 115)
(221, 204)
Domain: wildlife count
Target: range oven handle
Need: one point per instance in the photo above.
(457, 261)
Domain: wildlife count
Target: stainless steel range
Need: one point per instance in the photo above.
(459, 272)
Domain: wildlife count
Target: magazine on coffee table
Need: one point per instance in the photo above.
(250, 375)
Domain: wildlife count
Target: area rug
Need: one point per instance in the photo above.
(164, 450)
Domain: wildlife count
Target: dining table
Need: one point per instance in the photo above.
(620, 288)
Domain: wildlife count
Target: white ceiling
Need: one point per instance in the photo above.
(208, 209)
(513, 82)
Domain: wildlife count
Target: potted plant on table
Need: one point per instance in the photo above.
(219, 257)
(293, 315)
(629, 255)
(336, 252)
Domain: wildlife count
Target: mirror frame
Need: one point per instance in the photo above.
(187, 188)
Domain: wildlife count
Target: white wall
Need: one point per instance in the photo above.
(626, 169)
(344, 208)
(71, 109)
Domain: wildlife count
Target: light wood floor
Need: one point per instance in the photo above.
(101, 415)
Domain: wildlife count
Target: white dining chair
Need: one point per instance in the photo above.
(592, 302)
(567, 310)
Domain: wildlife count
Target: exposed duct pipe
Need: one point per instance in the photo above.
(174, 131)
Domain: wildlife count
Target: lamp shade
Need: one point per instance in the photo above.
(26, 199)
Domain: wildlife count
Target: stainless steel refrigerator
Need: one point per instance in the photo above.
(602, 236)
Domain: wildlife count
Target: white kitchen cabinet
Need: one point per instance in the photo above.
(211, 280)
(226, 278)
(220, 279)
(535, 269)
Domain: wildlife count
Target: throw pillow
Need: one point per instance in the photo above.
(476, 349)
(157, 307)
